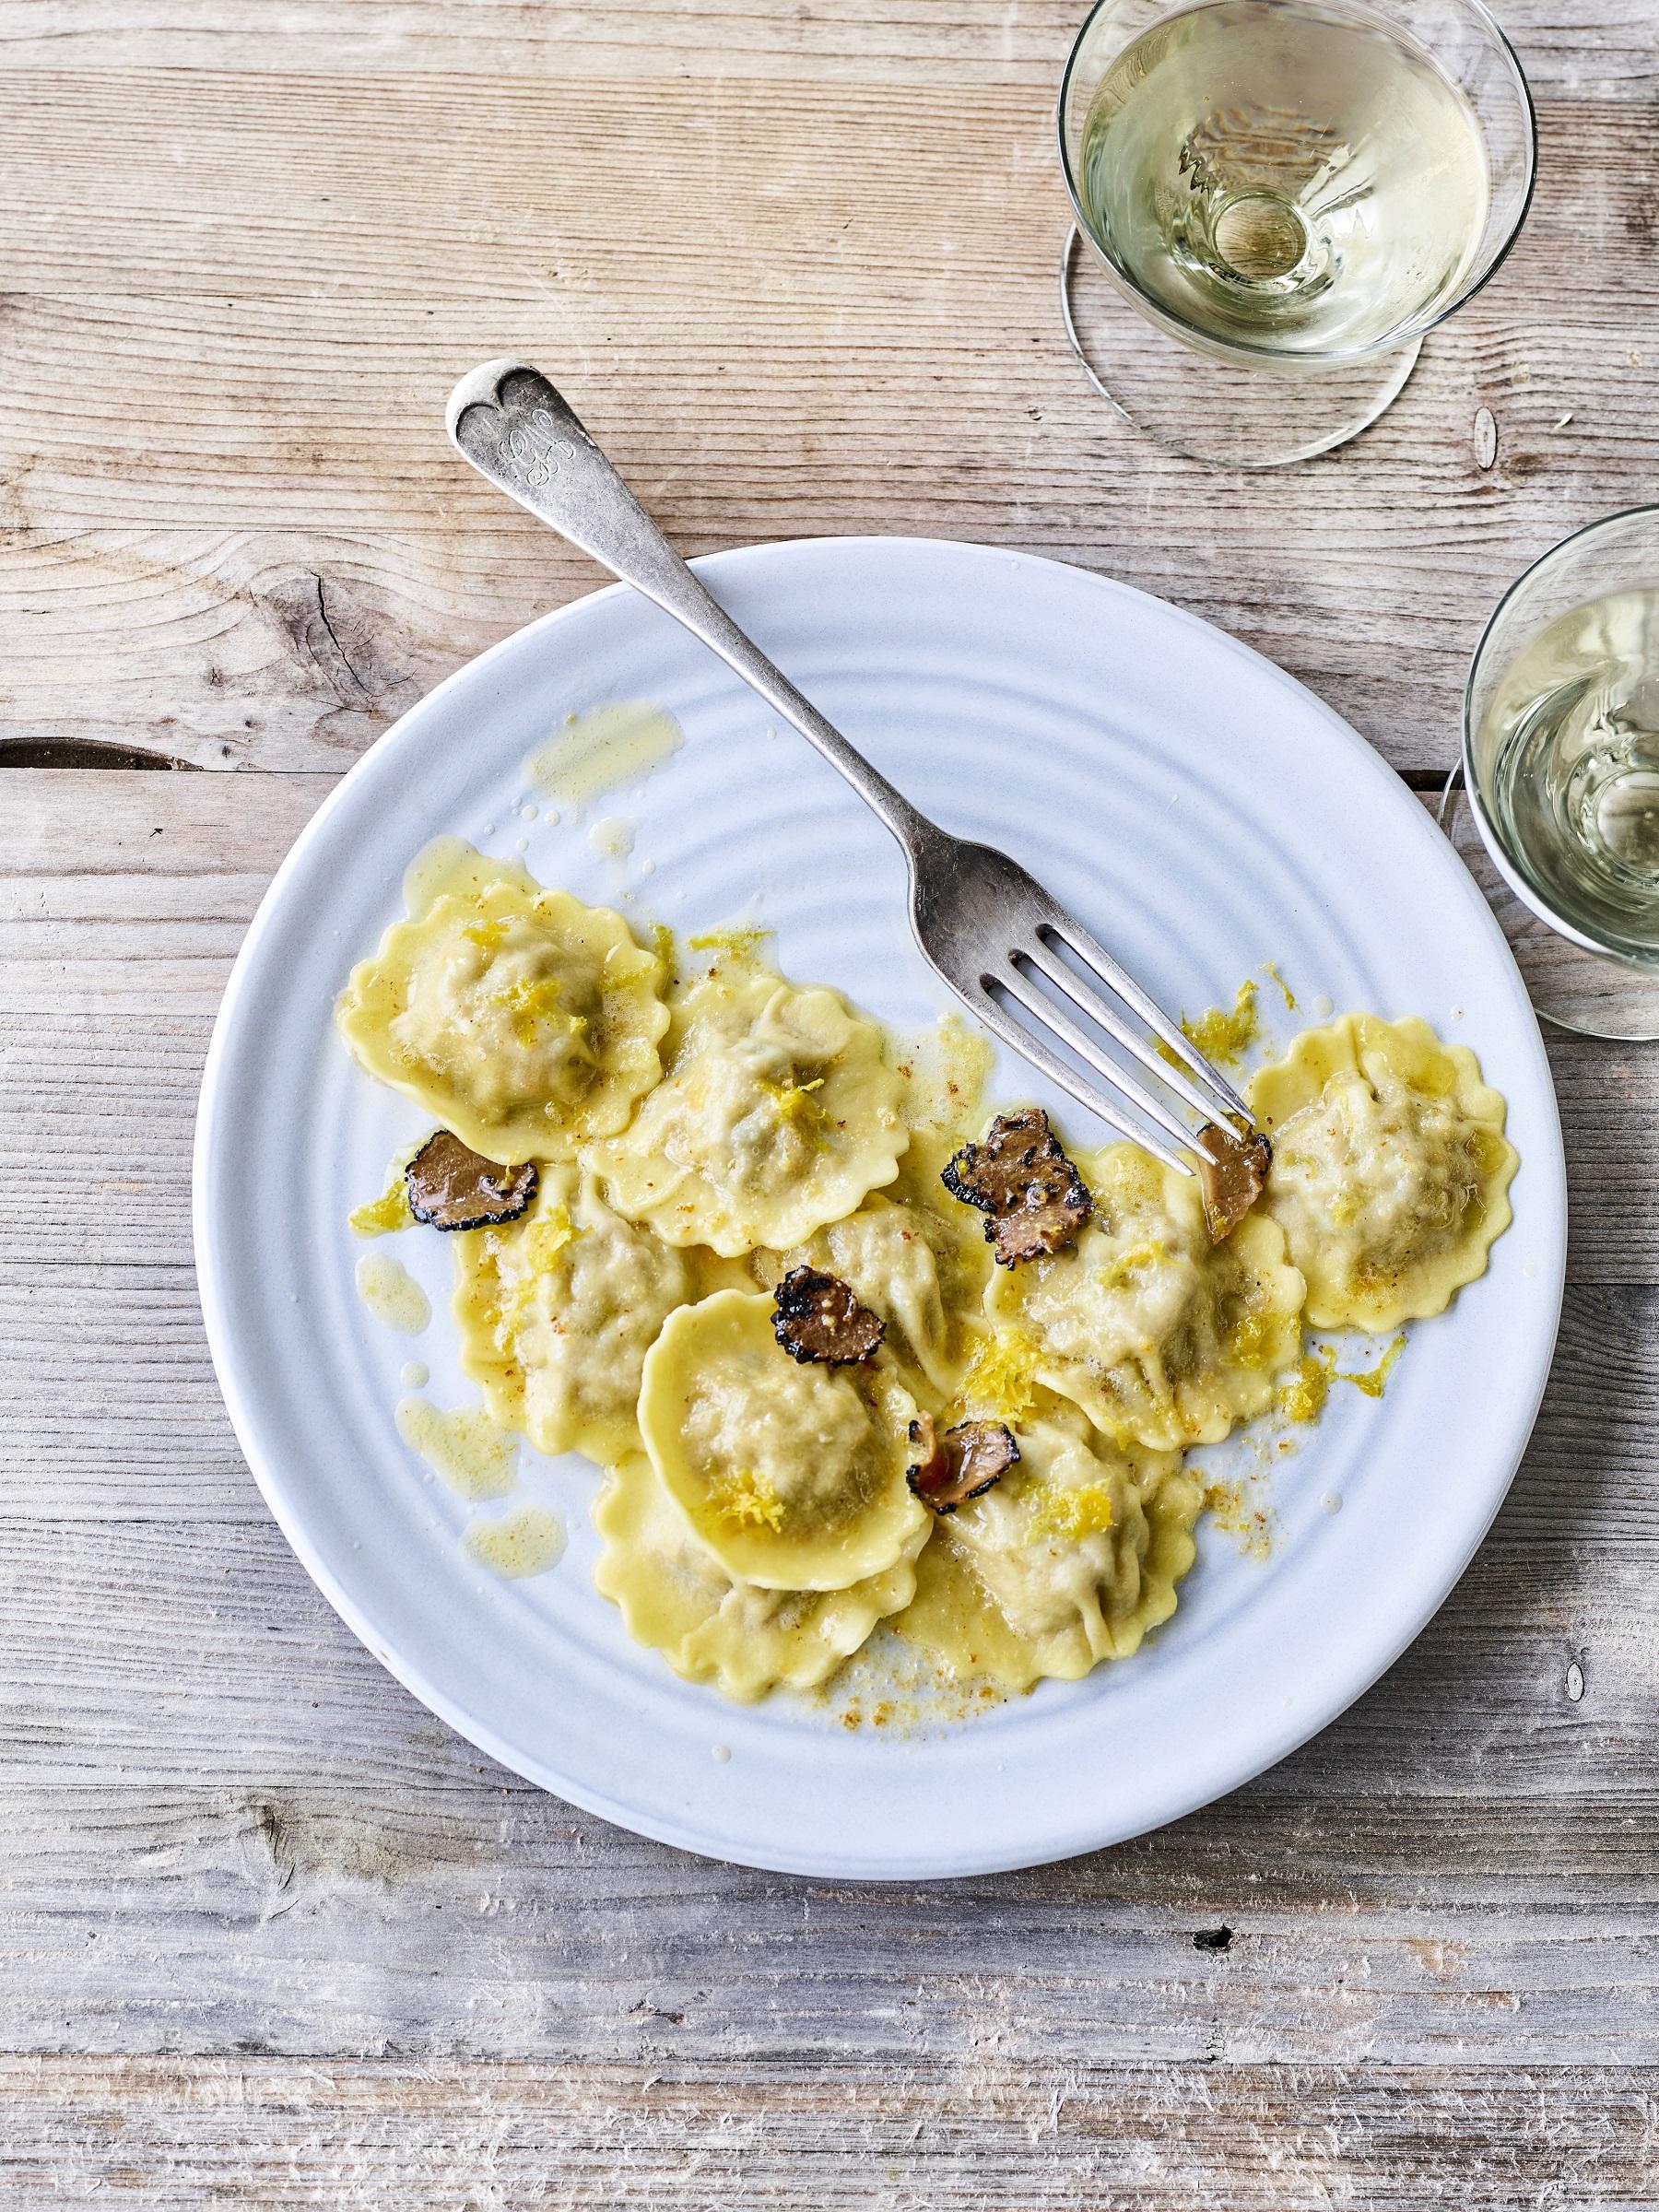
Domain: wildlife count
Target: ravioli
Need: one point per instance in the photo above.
(523, 1020)
(755, 1520)
(885, 1254)
(778, 1114)
(557, 1312)
(1069, 1560)
(1390, 1170)
(676, 1598)
(791, 1477)
(1163, 1338)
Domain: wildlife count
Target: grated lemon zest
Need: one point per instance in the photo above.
(530, 1001)
(1118, 1271)
(746, 1500)
(1374, 1380)
(797, 1109)
(1222, 1036)
(540, 1246)
(381, 1217)
(1271, 968)
(1302, 1397)
(1253, 1337)
(736, 944)
(1002, 1377)
(1075, 1514)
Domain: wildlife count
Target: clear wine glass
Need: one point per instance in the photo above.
(1560, 758)
(1275, 201)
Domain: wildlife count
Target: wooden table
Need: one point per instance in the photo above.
(273, 1936)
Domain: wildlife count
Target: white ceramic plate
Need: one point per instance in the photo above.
(1203, 813)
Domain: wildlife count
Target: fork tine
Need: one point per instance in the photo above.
(1089, 949)
(1090, 1004)
(1045, 1011)
(996, 1018)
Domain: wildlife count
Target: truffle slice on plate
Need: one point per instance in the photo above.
(964, 1462)
(1232, 1174)
(818, 1321)
(451, 1186)
(1019, 1176)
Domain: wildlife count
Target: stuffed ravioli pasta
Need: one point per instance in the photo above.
(557, 1312)
(844, 1362)
(524, 1021)
(895, 1258)
(793, 1477)
(676, 1598)
(1390, 1170)
(1161, 1337)
(1069, 1560)
(777, 1114)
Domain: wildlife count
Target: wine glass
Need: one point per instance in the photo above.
(1278, 199)
(1561, 756)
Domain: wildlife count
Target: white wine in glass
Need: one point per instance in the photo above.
(1562, 738)
(1294, 185)
(1277, 176)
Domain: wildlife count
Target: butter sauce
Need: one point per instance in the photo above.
(475, 1458)
(603, 749)
(526, 1542)
(450, 868)
(391, 1294)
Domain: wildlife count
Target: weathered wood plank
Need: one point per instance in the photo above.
(236, 649)
(796, 266)
(953, 2135)
(218, 1603)
(528, 192)
(123, 898)
(366, 1921)
(974, 43)
(122, 875)
(871, 340)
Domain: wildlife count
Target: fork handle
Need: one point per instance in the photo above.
(506, 419)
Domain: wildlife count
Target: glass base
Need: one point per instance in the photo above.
(1203, 407)
(1585, 992)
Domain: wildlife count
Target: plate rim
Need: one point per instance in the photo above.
(1270, 1748)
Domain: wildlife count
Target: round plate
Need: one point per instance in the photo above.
(1198, 810)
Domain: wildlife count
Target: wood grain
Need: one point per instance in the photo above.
(1256, 2139)
(295, 1836)
(124, 896)
(253, 476)
(970, 44)
(272, 1935)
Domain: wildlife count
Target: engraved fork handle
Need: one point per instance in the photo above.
(506, 419)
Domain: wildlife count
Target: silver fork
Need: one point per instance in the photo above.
(985, 927)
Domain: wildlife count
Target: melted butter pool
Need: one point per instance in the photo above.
(475, 1458)
(391, 1294)
(526, 1542)
(603, 749)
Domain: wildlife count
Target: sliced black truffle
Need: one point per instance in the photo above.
(451, 1186)
(1018, 1175)
(816, 1318)
(964, 1462)
(1232, 1173)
